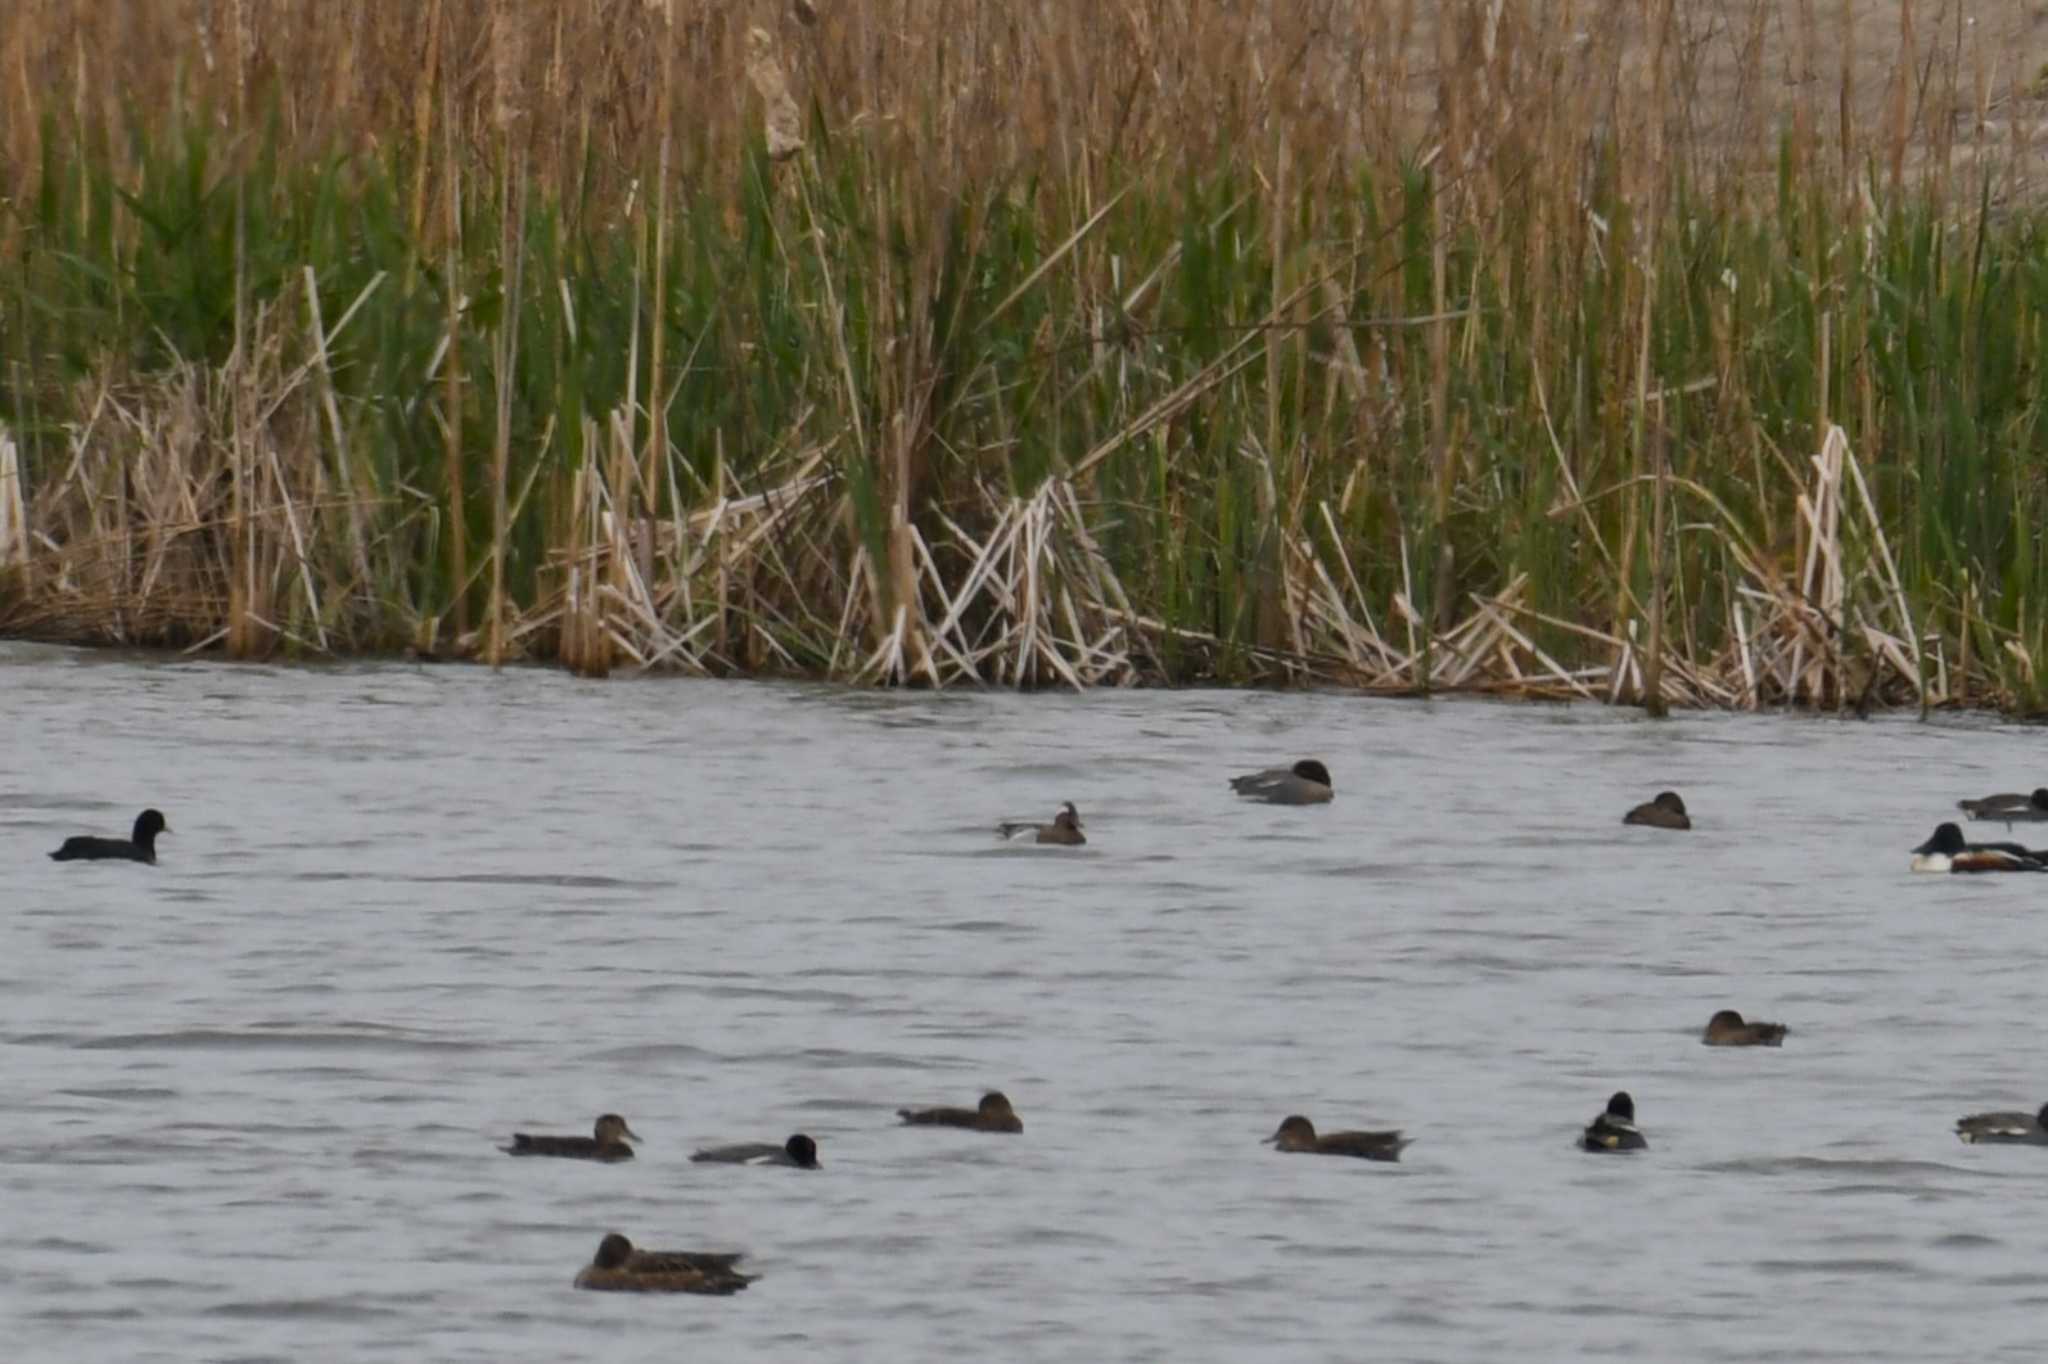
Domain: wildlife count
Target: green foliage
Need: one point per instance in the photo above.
(842, 306)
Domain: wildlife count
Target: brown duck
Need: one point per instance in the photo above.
(1727, 1029)
(1666, 811)
(993, 1115)
(1298, 1134)
(607, 1142)
(619, 1268)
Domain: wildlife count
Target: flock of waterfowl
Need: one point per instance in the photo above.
(620, 1266)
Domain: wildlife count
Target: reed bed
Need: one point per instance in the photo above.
(1665, 353)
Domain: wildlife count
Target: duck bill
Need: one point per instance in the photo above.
(1273, 1140)
(631, 1133)
(1927, 847)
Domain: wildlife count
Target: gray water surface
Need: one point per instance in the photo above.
(253, 1093)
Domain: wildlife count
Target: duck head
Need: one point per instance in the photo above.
(613, 1251)
(1948, 839)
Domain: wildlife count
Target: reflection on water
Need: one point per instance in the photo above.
(255, 1090)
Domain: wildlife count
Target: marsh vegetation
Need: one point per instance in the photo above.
(1671, 351)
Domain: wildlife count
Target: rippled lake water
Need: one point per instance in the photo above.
(254, 1092)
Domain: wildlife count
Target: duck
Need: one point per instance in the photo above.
(2014, 1129)
(606, 1142)
(141, 847)
(1946, 851)
(1663, 811)
(1305, 783)
(799, 1152)
(1615, 1129)
(1297, 1134)
(993, 1114)
(1064, 829)
(619, 1268)
(2009, 806)
(1727, 1029)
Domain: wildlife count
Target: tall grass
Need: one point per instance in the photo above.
(1555, 347)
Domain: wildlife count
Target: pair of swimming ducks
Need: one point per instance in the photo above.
(1306, 783)
(1949, 851)
(1946, 851)
(1616, 1130)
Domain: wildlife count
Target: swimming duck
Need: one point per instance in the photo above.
(618, 1268)
(1305, 783)
(1947, 851)
(2024, 1129)
(799, 1152)
(1664, 811)
(1298, 1134)
(1065, 828)
(1726, 1029)
(140, 848)
(607, 1142)
(993, 1115)
(1615, 1130)
(2011, 807)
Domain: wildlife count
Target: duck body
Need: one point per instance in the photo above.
(139, 847)
(1065, 829)
(1297, 1135)
(2008, 807)
(1665, 811)
(1947, 851)
(1615, 1129)
(799, 1153)
(619, 1268)
(993, 1115)
(2004, 1129)
(1728, 1029)
(607, 1143)
(1306, 783)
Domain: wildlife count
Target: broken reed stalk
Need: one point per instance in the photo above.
(657, 310)
(507, 40)
(242, 640)
(1653, 665)
(452, 404)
